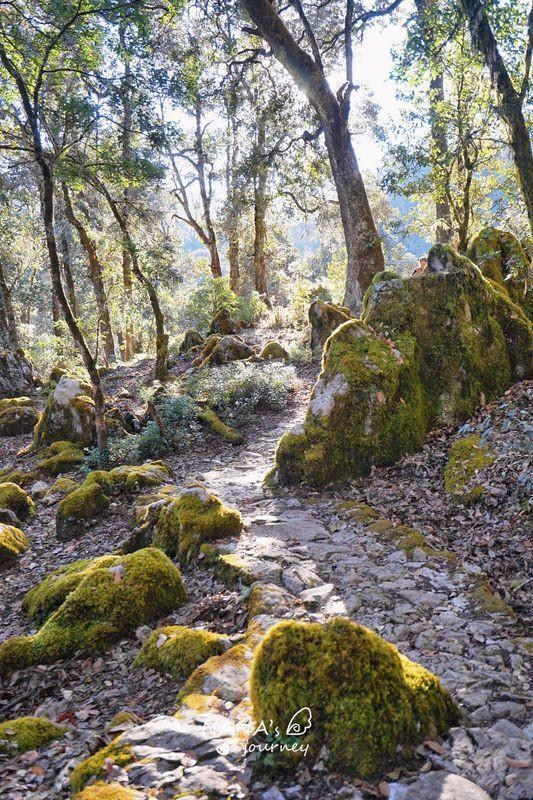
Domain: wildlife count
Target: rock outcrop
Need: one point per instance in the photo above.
(17, 377)
(68, 415)
(340, 685)
(89, 605)
(18, 416)
(428, 350)
(323, 319)
(502, 259)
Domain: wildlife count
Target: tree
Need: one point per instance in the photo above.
(511, 99)
(8, 325)
(364, 253)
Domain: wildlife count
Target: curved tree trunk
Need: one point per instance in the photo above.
(47, 209)
(95, 276)
(161, 343)
(363, 246)
(205, 194)
(510, 101)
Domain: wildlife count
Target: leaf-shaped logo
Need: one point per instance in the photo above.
(300, 722)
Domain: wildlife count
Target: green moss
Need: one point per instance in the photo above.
(17, 500)
(60, 488)
(18, 476)
(183, 650)
(61, 457)
(380, 525)
(215, 423)
(466, 458)
(18, 420)
(489, 601)
(502, 259)
(238, 655)
(409, 539)
(80, 506)
(16, 402)
(109, 601)
(12, 543)
(360, 512)
(231, 568)
(27, 733)
(430, 349)
(366, 699)
(123, 719)
(273, 351)
(133, 478)
(180, 524)
(94, 766)
(108, 791)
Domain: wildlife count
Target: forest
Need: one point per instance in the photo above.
(266, 300)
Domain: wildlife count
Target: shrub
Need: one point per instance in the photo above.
(238, 390)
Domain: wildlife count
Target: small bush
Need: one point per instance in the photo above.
(237, 390)
(178, 415)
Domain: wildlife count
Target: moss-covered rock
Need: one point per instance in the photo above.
(68, 415)
(274, 351)
(92, 498)
(502, 259)
(429, 350)
(219, 427)
(223, 323)
(466, 458)
(17, 420)
(62, 456)
(94, 767)
(227, 349)
(191, 339)
(96, 603)
(17, 402)
(17, 376)
(366, 699)
(179, 650)
(324, 318)
(15, 499)
(18, 476)
(12, 544)
(108, 791)
(60, 488)
(180, 523)
(27, 733)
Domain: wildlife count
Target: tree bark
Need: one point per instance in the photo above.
(66, 268)
(232, 188)
(363, 247)
(205, 194)
(95, 276)
(439, 140)
(7, 313)
(127, 278)
(510, 101)
(161, 343)
(260, 207)
(31, 111)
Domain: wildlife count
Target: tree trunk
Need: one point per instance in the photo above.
(205, 194)
(95, 276)
(56, 315)
(127, 120)
(363, 247)
(232, 187)
(510, 101)
(67, 270)
(260, 207)
(439, 140)
(47, 210)
(161, 343)
(7, 314)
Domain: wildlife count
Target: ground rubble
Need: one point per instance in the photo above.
(315, 556)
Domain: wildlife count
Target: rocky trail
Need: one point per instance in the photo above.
(446, 594)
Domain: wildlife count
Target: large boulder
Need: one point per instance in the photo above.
(89, 605)
(342, 686)
(428, 351)
(502, 259)
(323, 319)
(229, 348)
(223, 323)
(16, 374)
(68, 415)
(17, 418)
(191, 339)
